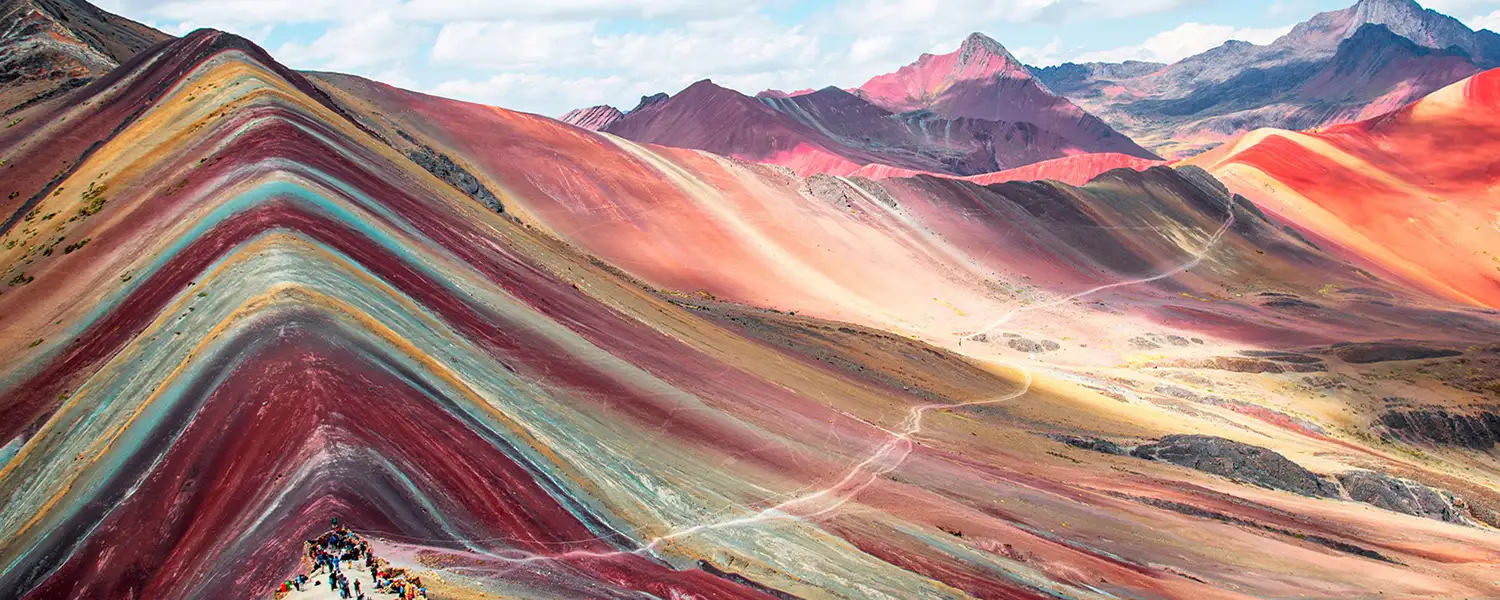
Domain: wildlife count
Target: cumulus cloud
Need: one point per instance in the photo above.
(1477, 14)
(1183, 41)
(543, 93)
(571, 10)
(1490, 21)
(244, 12)
(377, 40)
(943, 18)
(514, 45)
(1050, 54)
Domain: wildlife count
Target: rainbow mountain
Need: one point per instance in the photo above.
(532, 360)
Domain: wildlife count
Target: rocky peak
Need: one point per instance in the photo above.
(1323, 32)
(980, 48)
(652, 100)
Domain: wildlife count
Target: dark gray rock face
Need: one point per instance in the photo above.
(445, 169)
(1402, 496)
(652, 100)
(1374, 352)
(1477, 432)
(1092, 444)
(1238, 461)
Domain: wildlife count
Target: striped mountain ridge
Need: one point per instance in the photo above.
(239, 304)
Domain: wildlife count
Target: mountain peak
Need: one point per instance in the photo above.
(652, 100)
(980, 47)
(979, 40)
(1321, 34)
(1398, 4)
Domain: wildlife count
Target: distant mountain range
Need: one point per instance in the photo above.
(978, 109)
(1337, 67)
(975, 110)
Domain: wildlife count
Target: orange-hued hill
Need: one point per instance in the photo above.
(1072, 170)
(1414, 194)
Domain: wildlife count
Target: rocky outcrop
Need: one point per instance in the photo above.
(1374, 352)
(1021, 344)
(1403, 496)
(1238, 461)
(1092, 444)
(445, 169)
(1480, 431)
(652, 100)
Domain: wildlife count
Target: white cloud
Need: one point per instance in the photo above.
(1490, 21)
(944, 18)
(543, 93)
(570, 10)
(720, 47)
(376, 40)
(731, 46)
(241, 12)
(1050, 54)
(1485, 13)
(1183, 41)
(507, 45)
(869, 49)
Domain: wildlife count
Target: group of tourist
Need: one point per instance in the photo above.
(340, 549)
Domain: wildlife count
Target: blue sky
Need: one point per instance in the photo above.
(550, 56)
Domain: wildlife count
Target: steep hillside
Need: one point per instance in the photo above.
(1411, 192)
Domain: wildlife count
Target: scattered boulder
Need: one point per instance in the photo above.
(1021, 344)
(1238, 461)
(1403, 496)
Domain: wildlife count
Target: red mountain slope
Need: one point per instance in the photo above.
(1413, 193)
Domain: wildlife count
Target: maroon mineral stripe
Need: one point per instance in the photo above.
(306, 391)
